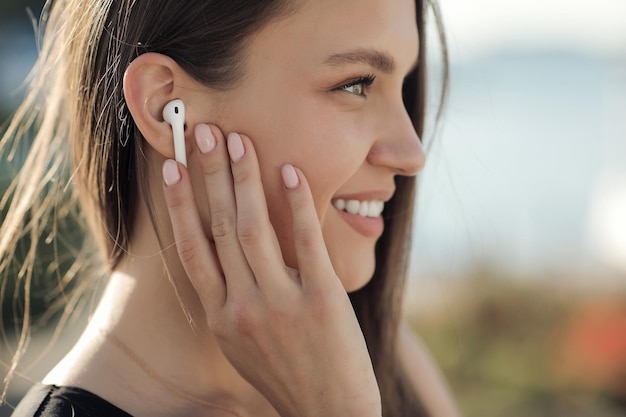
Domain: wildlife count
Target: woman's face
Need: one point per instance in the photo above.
(323, 91)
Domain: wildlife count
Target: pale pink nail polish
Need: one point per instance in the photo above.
(235, 147)
(290, 177)
(171, 174)
(204, 138)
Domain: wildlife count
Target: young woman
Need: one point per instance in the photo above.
(265, 277)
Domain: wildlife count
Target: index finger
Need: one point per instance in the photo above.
(313, 260)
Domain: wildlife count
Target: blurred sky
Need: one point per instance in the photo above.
(528, 172)
(480, 26)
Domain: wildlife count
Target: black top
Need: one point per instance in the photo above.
(52, 401)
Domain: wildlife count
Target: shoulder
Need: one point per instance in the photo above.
(423, 373)
(52, 401)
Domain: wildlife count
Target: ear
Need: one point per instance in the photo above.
(150, 82)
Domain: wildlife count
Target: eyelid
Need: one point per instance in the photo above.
(366, 80)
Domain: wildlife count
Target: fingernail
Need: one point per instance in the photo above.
(204, 138)
(290, 178)
(235, 147)
(171, 174)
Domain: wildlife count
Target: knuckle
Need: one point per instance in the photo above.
(304, 237)
(187, 251)
(176, 201)
(299, 205)
(240, 176)
(244, 321)
(222, 223)
(325, 302)
(248, 232)
(211, 167)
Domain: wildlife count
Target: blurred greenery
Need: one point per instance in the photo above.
(504, 344)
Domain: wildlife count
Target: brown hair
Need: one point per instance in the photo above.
(85, 134)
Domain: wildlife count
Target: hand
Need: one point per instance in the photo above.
(291, 333)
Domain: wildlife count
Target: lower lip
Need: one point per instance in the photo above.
(367, 226)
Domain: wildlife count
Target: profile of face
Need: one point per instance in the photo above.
(322, 90)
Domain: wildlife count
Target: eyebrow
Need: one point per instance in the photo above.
(372, 57)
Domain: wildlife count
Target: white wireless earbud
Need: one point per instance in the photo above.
(174, 114)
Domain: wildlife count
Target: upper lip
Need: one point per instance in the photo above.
(374, 195)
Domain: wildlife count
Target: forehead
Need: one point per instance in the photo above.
(323, 27)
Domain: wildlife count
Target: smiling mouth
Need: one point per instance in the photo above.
(371, 208)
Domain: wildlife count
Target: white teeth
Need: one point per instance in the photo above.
(372, 208)
(352, 206)
(364, 209)
(376, 207)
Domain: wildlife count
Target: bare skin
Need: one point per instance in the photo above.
(258, 251)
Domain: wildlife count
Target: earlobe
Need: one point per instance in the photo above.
(150, 82)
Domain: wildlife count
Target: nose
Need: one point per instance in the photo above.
(398, 146)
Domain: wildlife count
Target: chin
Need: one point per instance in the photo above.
(358, 277)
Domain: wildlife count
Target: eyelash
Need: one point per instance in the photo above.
(364, 81)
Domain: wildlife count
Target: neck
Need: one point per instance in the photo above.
(141, 352)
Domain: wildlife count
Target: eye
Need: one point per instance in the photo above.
(358, 87)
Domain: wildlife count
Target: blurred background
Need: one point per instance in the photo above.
(518, 282)
(518, 277)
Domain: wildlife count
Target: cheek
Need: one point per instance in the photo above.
(329, 147)
(323, 182)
